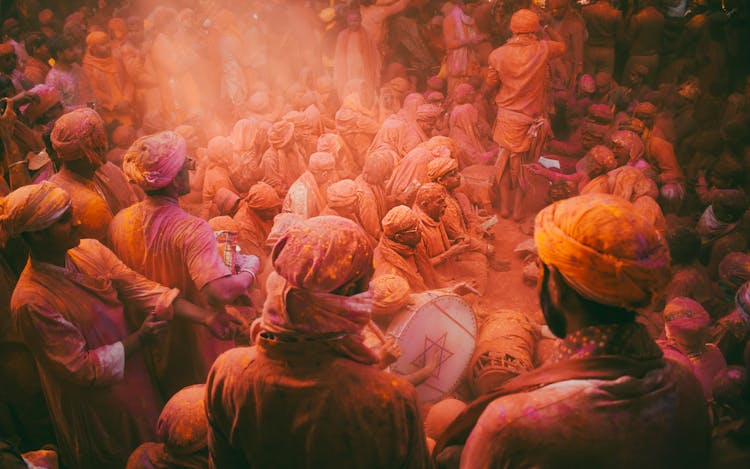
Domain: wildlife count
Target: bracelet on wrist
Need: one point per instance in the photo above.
(18, 163)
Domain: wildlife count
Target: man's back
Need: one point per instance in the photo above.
(521, 67)
(658, 420)
(300, 405)
(603, 23)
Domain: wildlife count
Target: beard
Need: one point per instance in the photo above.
(554, 318)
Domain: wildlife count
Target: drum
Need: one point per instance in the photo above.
(437, 323)
(505, 349)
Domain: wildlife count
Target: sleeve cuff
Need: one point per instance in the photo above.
(164, 308)
(112, 361)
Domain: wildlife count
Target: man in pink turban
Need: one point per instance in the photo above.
(163, 242)
(607, 396)
(99, 190)
(307, 392)
(520, 67)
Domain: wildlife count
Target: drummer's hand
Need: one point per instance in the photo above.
(462, 288)
(389, 352)
(432, 362)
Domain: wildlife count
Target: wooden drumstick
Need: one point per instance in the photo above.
(377, 331)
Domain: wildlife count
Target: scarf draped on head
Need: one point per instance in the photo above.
(312, 262)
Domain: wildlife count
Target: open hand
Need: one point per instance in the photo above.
(223, 326)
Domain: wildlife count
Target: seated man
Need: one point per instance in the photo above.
(397, 252)
(307, 195)
(607, 398)
(307, 394)
(453, 259)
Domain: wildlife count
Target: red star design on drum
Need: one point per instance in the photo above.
(421, 360)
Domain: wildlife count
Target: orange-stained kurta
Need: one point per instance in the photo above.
(97, 200)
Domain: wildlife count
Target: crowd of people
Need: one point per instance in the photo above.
(211, 212)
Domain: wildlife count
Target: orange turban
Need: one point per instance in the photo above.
(220, 152)
(428, 112)
(604, 249)
(645, 109)
(80, 134)
(439, 167)
(226, 201)
(6, 49)
(95, 38)
(440, 146)
(399, 218)
(281, 134)
(322, 161)
(244, 134)
(262, 197)
(390, 293)
(342, 193)
(31, 208)
(524, 21)
(153, 161)
(182, 425)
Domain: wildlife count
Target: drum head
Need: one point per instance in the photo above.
(444, 325)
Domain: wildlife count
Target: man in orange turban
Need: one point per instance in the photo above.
(606, 397)
(113, 91)
(520, 67)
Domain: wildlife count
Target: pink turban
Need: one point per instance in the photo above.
(686, 321)
(153, 161)
(524, 21)
(262, 197)
(399, 218)
(342, 193)
(80, 134)
(604, 249)
(31, 208)
(312, 262)
(281, 224)
(439, 167)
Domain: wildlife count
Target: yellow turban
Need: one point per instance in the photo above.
(604, 249)
(80, 134)
(262, 197)
(31, 208)
(390, 293)
(153, 161)
(182, 425)
(342, 193)
(399, 218)
(439, 167)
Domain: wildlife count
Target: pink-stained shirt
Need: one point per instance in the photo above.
(73, 319)
(166, 244)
